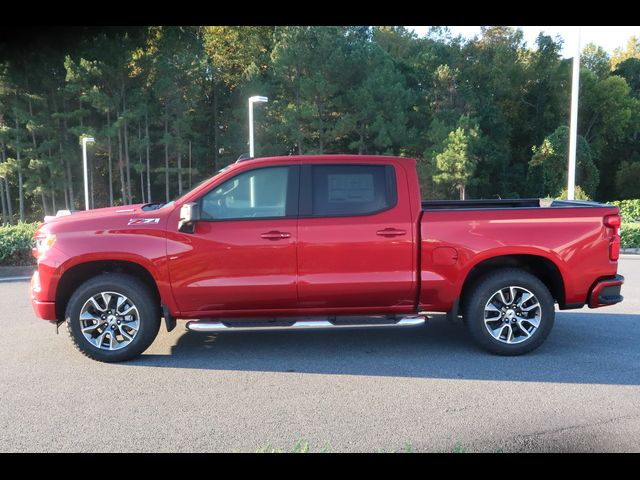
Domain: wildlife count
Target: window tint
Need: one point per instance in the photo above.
(257, 193)
(352, 189)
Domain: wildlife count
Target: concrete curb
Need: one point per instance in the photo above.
(632, 251)
(17, 272)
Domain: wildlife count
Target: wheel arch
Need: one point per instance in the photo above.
(76, 275)
(542, 267)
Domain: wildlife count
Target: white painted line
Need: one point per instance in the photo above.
(13, 279)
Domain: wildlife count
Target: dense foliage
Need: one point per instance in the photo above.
(629, 209)
(16, 242)
(167, 106)
(630, 235)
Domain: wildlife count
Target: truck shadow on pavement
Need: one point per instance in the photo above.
(583, 347)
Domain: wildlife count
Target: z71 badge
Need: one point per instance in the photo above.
(141, 221)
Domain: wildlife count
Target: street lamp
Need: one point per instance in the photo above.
(86, 140)
(573, 124)
(253, 100)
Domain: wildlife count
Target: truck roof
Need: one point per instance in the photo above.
(321, 158)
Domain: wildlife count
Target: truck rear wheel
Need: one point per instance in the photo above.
(509, 312)
(112, 317)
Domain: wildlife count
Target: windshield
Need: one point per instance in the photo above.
(155, 206)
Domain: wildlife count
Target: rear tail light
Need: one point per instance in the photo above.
(614, 248)
(613, 222)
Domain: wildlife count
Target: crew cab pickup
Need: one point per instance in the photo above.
(328, 241)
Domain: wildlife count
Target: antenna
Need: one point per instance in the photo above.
(243, 157)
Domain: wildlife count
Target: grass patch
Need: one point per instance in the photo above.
(300, 446)
(459, 448)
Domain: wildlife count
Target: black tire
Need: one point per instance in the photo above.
(484, 289)
(138, 293)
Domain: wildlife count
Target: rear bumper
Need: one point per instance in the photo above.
(606, 292)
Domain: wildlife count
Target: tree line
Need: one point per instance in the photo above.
(486, 117)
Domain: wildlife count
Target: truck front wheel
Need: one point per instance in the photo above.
(112, 317)
(509, 312)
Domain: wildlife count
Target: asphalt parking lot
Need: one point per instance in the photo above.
(425, 389)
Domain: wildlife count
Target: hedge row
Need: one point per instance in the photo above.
(629, 209)
(630, 235)
(630, 230)
(16, 242)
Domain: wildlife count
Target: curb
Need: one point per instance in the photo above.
(17, 272)
(632, 251)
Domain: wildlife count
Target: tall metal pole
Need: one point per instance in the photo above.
(252, 185)
(573, 127)
(86, 174)
(252, 100)
(251, 147)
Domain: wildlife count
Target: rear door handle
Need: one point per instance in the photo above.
(275, 235)
(391, 232)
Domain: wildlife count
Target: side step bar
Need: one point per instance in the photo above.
(200, 326)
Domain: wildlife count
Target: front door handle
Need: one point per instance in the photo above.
(275, 235)
(391, 232)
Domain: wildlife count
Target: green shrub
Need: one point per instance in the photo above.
(578, 194)
(629, 209)
(630, 235)
(16, 242)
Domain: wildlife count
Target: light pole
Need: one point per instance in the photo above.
(86, 140)
(252, 186)
(573, 127)
(253, 100)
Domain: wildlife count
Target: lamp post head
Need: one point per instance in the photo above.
(258, 98)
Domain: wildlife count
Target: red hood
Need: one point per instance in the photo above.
(97, 213)
(98, 219)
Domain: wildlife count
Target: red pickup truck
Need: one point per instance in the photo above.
(329, 241)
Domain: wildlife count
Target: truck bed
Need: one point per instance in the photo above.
(519, 203)
(570, 237)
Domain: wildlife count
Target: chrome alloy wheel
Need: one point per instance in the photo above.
(512, 315)
(109, 320)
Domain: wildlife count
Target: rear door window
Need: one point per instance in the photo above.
(345, 190)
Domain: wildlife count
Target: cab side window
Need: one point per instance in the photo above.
(259, 193)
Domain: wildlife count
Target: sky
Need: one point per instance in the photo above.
(608, 38)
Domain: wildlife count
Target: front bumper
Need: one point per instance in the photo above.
(43, 310)
(606, 292)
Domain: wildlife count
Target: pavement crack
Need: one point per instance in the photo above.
(575, 427)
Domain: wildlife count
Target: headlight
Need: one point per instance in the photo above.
(44, 241)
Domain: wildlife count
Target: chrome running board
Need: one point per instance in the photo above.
(206, 326)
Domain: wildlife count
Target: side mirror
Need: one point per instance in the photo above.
(189, 215)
